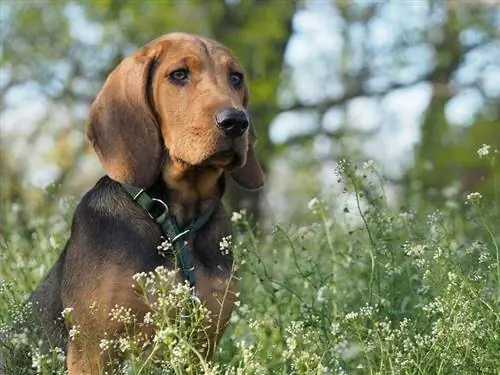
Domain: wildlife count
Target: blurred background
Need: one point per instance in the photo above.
(412, 85)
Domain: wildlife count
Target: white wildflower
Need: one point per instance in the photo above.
(474, 197)
(438, 254)
(335, 328)
(320, 295)
(162, 334)
(93, 307)
(37, 361)
(148, 319)
(105, 344)
(66, 313)
(370, 164)
(484, 257)
(414, 250)
(122, 314)
(351, 315)
(140, 276)
(225, 244)
(165, 247)
(238, 217)
(60, 354)
(484, 151)
(452, 276)
(74, 332)
(124, 344)
(314, 205)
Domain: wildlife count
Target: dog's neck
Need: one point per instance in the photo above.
(189, 191)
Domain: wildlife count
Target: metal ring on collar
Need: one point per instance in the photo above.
(160, 218)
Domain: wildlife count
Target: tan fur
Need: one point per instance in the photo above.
(200, 184)
(114, 288)
(218, 294)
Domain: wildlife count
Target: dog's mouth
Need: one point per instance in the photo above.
(226, 160)
(223, 159)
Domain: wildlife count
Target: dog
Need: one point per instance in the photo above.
(170, 121)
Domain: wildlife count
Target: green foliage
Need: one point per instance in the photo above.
(376, 289)
(372, 290)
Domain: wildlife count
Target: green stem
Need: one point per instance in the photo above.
(493, 239)
(372, 242)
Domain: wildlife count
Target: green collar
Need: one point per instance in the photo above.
(169, 227)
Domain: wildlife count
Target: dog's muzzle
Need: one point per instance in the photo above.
(233, 122)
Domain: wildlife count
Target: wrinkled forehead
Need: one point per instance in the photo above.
(178, 47)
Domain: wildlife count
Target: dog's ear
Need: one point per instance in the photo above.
(250, 176)
(122, 126)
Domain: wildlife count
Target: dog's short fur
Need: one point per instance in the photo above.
(152, 131)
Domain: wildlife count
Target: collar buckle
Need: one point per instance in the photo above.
(155, 202)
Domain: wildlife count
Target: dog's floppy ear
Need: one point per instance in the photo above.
(122, 126)
(250, 176)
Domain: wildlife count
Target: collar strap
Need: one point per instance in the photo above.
(160, 213)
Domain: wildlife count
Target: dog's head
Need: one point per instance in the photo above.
(179, 100)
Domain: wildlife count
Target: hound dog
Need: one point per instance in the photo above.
(170, 121)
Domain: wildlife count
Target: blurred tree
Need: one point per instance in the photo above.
(441, 48)
(446, 152)
(63, 53)
(335, 93)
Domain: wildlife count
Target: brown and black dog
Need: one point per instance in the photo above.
(170, 118)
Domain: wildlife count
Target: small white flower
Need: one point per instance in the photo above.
(335, 328)
(105, 344)
(60, 354)
(474, 197)
(314, 204)
(124, 344)
(320, 295)
(162, 334)
(66, 313)
(74, 332)
(225, 244)
(438, 254)
(93, 307)
(238, 217)
(370, 164)
(37, 360)
(484, 151)
(351, 315)
(165, 247)
(483, 257)
(140, 276)
(148, 319)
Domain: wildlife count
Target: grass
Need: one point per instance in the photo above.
(373, 290)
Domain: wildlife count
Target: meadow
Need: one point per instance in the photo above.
(358, 285)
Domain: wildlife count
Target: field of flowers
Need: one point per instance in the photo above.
(377, 289)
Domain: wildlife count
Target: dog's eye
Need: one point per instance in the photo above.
(236, 79)
(179, 75)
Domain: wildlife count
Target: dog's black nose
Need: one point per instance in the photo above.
(233, 122)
